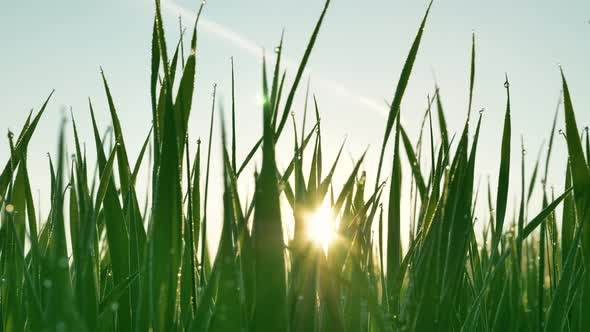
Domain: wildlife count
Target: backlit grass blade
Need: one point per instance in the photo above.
(300, 70)
(184, 97)
(204, 243)
(233, 119)
(400, 89)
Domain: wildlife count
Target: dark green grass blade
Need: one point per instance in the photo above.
(21, 147)
(581, 183)
(116, 228)
(504, 174)
(394, 248)
(414, 164)
(568, 218)
(270, 308)
(139, 159)
(471, 75)
(442, 122)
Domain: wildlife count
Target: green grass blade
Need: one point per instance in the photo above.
(300, 70)
(401, 88)
(504, 173)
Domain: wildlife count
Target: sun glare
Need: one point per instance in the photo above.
(321, 227)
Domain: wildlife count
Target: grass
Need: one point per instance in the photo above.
(149, 269)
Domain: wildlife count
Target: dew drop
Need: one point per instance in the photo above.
(114, 306)
(63, 262)
(277, 49)
(47, 283)
(482, 110)
(10, 134)
(506, 84)
(204, 2)
(199, 141)
(9, 208)
(292, 113)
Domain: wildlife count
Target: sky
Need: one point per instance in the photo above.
(353, 70)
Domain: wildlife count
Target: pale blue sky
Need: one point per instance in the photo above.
(357, 60)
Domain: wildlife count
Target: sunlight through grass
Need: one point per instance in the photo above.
(321, 227)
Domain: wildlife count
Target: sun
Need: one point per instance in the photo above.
(321, 227)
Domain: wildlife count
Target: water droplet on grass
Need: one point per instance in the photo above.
(63, 262)
(47, 283)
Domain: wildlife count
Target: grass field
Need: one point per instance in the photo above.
(131, 267)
